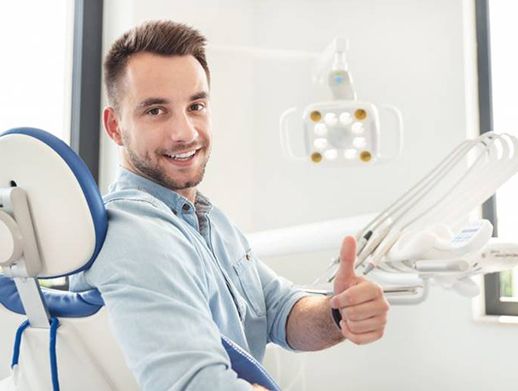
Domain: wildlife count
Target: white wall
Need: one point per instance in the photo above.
(417, 55)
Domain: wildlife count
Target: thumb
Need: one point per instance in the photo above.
(345, 276)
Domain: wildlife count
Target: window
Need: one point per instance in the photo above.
(498, 30)
(36, 66)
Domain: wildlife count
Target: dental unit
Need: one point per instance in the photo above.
(425, 233)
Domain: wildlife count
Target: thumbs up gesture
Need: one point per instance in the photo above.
(361, 302)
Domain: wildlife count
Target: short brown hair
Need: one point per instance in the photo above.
(162, 37)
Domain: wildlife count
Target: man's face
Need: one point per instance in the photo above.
(163, 121)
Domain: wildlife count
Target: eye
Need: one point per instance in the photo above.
(197, 107)
(155, 111)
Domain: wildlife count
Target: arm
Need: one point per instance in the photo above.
(361, 303)
(310, 325)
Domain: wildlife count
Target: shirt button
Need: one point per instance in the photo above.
(186, 208)
(247, 256)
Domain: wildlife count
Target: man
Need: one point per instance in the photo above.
(174, 272)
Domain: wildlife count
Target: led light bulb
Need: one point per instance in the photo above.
(365, 156)
(357, 128)
(316, 157)
(331, 154)
(346, 118)
(359, 142)
(320, 143)
(360, 114)
(350, 153)
(330, 119)
(315, 116)
(320, 130)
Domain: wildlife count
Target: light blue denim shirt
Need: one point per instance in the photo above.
(174, 276)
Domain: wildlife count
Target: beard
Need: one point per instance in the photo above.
(152, 170)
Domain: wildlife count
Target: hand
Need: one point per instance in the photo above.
(361, 302)
(258, 387)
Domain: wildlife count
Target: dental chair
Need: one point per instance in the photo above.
(53, 224)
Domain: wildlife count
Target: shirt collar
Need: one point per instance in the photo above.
(177, 203)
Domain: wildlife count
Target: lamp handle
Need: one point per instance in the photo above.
(285, 135)
(398, 131)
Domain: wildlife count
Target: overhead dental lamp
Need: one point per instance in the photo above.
(343, 131)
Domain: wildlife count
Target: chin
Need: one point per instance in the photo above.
(176, 183)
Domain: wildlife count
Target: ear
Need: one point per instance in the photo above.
(111, 124)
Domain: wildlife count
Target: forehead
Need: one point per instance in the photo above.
(175, 77)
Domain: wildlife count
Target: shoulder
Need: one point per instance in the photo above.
(135, 217)
(145, 240)
(137, 214)
(135, 201)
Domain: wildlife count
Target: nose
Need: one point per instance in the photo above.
(183, 129)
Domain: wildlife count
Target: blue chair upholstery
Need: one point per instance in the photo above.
(59, 303)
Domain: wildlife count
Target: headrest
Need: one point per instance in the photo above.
(67, 210)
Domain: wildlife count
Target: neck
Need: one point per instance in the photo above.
(189, 193)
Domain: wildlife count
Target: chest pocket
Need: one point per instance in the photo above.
(250, 283)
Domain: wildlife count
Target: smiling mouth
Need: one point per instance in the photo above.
(184, 156)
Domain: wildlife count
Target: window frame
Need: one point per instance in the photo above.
(86, 82)
(492, 295)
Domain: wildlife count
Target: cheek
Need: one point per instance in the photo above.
(139, 143)
(204, 127)
(138, 134)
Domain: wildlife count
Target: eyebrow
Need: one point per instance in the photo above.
(152, 101)
(163, 101)
(200, 95)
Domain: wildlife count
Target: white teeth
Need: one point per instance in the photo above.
(186, 155)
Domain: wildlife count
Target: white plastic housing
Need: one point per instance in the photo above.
(60, 213)
(10, 240)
